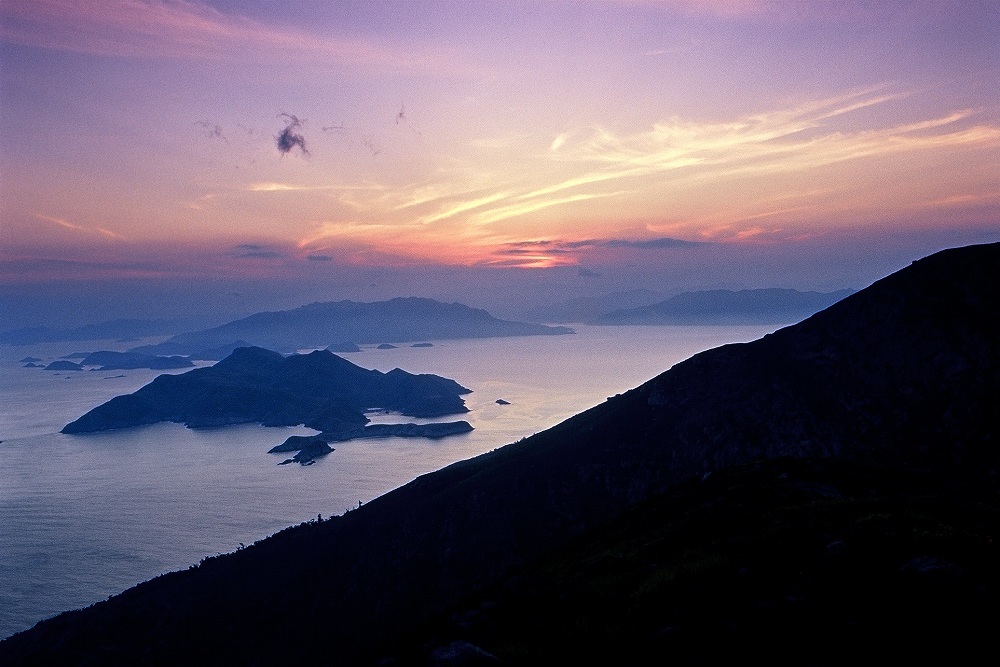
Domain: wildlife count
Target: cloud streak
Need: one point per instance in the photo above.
(94, 230)
(596, 163)
(186, 30)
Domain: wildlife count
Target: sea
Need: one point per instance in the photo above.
(83, 517)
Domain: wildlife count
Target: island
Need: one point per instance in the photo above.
(253, 385)
(307, 449)
(108, 361)
(316, 325)
(310, 447)
(63, 365)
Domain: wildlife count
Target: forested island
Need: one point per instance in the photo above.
(252, 385)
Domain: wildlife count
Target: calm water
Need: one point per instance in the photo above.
(86, 516)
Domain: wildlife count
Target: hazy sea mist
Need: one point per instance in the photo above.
(86, 516)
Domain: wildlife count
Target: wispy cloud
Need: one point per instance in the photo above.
(718, 8)
(273, 186)
(696, 162)
(965, 200)
(182, 29)
(797, 138)
(545, 253)
(91, 230)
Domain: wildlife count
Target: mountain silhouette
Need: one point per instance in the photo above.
(317, 325)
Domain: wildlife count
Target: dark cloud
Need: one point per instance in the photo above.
(371, 145)
(319, 258)
(662, 242)
(528, 250)
(555, 247)
(290, 137)
(212, 130)
(587, 273)
(253, 250)
(533, 244)
(642, 244)
(261, 254)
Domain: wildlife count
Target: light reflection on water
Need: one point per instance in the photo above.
(85, 516)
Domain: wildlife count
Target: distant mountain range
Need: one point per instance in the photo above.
(705, 307)
(588, 308)
(754, 306)
(825, 494)
(317, 325)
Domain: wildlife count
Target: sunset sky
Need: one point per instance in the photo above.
(626, 140)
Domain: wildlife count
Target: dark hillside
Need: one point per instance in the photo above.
(785, 561)
(889, 394)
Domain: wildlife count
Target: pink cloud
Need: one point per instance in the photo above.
(180, 29)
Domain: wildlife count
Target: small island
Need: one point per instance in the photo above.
(63, 365)
(310, 447)
(111, 361)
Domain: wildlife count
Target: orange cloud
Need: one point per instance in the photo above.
(708, 180)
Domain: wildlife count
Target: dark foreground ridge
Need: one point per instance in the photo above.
(826, 492)
(400, 320)
(319, 390)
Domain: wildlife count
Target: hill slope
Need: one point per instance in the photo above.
(899, 380)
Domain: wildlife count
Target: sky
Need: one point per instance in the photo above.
(256, 152)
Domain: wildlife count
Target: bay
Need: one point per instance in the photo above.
(83, 517)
